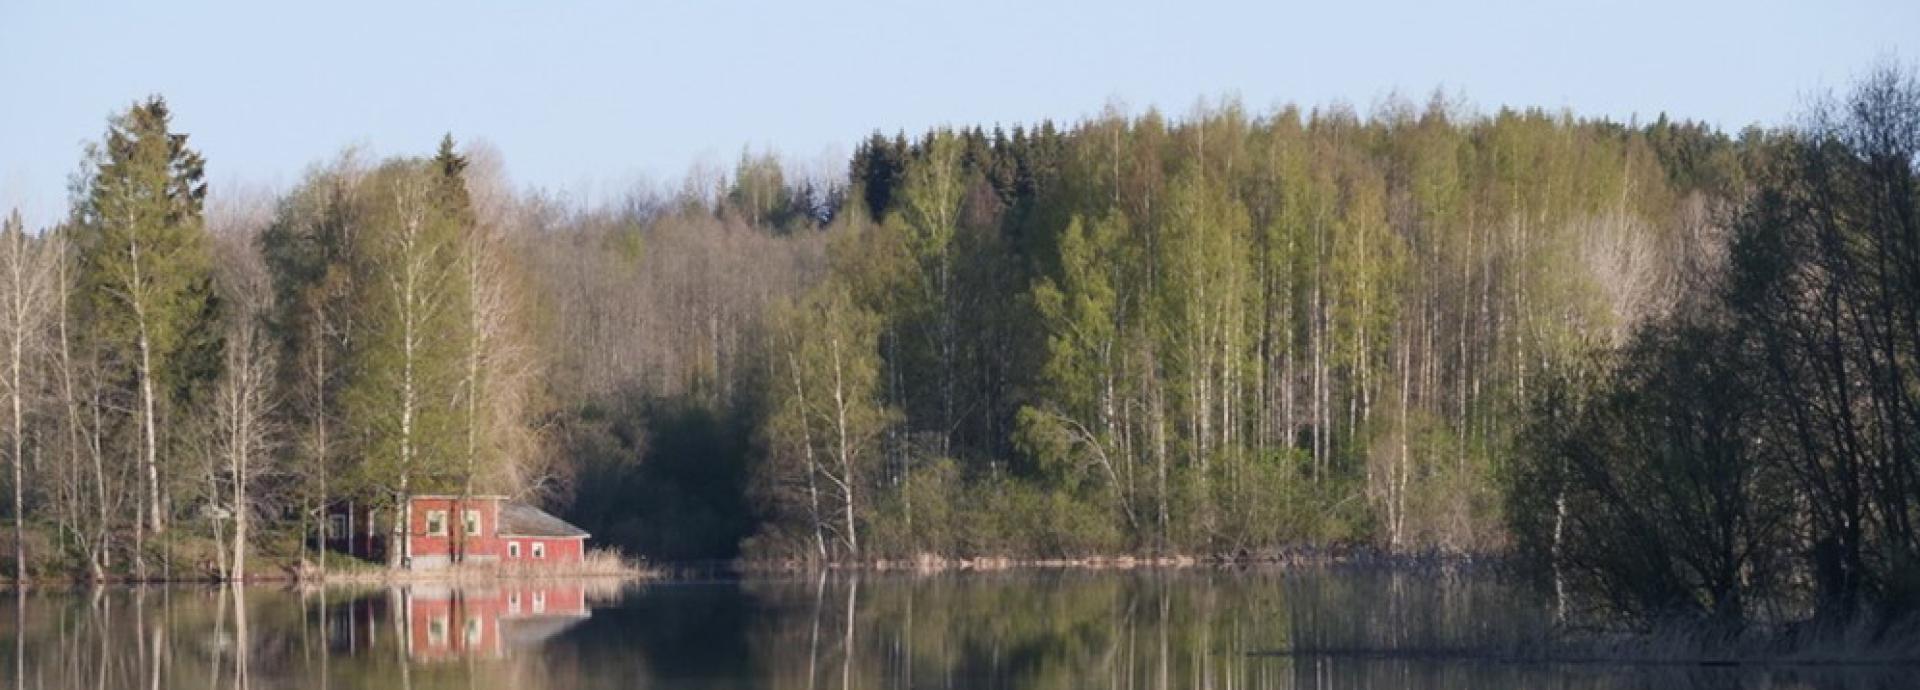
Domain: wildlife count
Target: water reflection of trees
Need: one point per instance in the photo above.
(246, 637)
(1188, 630)
(135, 638)
(1160, 629)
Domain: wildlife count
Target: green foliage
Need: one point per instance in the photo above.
(826, 419)
(142, 246)
(760, 194)
(1222, 333)
(407, 359)
(1212, 333)
(145, 282)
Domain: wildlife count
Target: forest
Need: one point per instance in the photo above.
(1748, 455)
(1422, 329)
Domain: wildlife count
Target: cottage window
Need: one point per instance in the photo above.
(539, 601)
(437, 631)
(473, 631)
(473, 523)
(513, 549)
(436, 523)
(513, 602)
(337, 526)
(539, 549)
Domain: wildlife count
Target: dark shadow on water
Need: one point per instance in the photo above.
(677, 632)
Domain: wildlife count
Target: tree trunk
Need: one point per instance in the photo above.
(21, 320)
(320, 436)
(1160, 450)
(813, 472)
(149, 434)
(397, 550)
(19, 431)
(238, 461)
(846, 449)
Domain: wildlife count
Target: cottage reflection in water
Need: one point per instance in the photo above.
(443, 622)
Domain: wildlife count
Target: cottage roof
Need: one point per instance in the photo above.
(522, 520)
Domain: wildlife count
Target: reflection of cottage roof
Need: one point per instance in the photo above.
(528, 631)
(522, 520)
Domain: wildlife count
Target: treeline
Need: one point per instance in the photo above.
(185, 391)
(1209, 334)
(1218, 334)
(1751, 455)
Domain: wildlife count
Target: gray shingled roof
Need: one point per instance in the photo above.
(522, 520)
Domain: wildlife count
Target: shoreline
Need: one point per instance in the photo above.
(604, 568)
(596, 566)
(1295, 557)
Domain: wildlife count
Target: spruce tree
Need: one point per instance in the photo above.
(144, 262)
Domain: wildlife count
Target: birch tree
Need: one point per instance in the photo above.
(1084, 315)
(830, 407)
(498, 370)
(930, 214)
(244, 395)
(405, 384)
(25, 281)
(89, 491)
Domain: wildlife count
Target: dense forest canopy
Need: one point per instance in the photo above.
(1224, 332)
(1216, 333)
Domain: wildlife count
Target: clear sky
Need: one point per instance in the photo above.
(589, 98)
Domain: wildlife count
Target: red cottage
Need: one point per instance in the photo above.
(445, 529)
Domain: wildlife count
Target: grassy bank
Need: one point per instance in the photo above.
(598, 564)
(183, 557)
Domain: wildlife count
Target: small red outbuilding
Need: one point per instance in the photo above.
(445, 529)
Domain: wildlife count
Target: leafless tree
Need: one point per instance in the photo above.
(25, 290)
(244, 399)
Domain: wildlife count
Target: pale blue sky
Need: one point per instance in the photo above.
(586, 98)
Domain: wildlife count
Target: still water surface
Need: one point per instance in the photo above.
(1319, 629)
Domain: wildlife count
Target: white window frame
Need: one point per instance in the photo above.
(337, 526)
(472, 522)
(513, 549)
(540, 550)
(539, 601)
(474, 631)
(437, 631)
(439, 517)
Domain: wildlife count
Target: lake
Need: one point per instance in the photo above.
(1192, 628)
